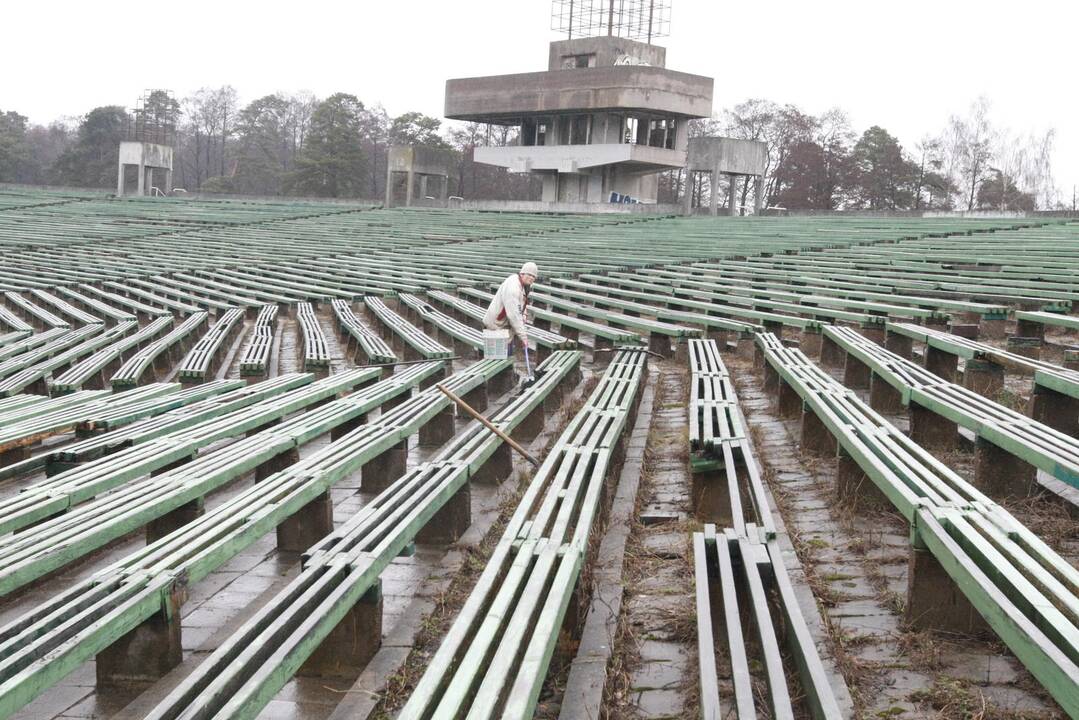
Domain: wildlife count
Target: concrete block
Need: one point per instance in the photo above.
(277, 463)
(901, 345)
(930, 430)
(1058, 411)
(984, 378)
(817, 440)
(855, 372)
(147, 653)
(438, 429)
(811, 343)
(831, 355)
(934, 601)
(381, 471)
(352, 643)
(310, 524)
(999, 474)
(940, 363)
(174, 520)
(497, 468)
(451, 521)
(789, 403)
(883, 397)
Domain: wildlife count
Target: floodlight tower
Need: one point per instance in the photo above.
(149, 136)
(605, 117)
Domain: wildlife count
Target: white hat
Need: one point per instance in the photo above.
(529, 268)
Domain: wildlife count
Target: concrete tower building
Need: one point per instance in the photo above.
(598, 125)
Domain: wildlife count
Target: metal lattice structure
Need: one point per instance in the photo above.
(632, 19)
(153, 119)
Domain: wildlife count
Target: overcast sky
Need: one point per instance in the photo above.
(905, 66)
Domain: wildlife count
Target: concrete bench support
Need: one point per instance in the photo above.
(1058, 411)
(934, 601)
(438, 429)
(351, 645)
(170, 522)
(817, 439)
(883, 397)
(146, 654)
(1000, 474)
(380, 472)
(450, 522)
(940, 363)
(310, 524)
(984, 378)
(932, 431)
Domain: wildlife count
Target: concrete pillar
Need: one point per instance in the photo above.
(1028, 347)
(874, 332)
(687, 195)
(173, 520)
(817, 440)
(529, 428)
(142, 179)
(477, 398)
(758, 194)
(854, 488)
(408, 189)
(1030, 329)
(788, 402)
(901, 345)
(601, 359)
(659, 343)
(444, 190)
(15, 455)
(277, 463)
(1000, 474)
(992, 328)
(811, 343)
(382, 470)
(771, 379)
(497, 468)
(984, 378)
(930, 430)
(438, 429)
(346, 427)
(168, 181)
(1058, 411)
(934, 601)
(307, 526)
(855, 372)
(423, 187)
(964, 330)
(714, 200)
(352, 643)
(147, 653)
(831, 355)
(451, 521)
(732, 195)
(120, 179)
(940, 363)
(712, 497)
(883, 397)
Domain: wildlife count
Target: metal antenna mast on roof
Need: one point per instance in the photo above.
(642, 20)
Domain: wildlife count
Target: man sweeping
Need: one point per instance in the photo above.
(509, 306)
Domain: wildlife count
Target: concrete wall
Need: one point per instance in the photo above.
(148, 154)
(624, 88)
(727, 155)
(609, 51)
(420, 160)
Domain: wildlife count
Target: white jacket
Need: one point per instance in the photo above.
(507, 308)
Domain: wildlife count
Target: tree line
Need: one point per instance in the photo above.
(297, 144)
